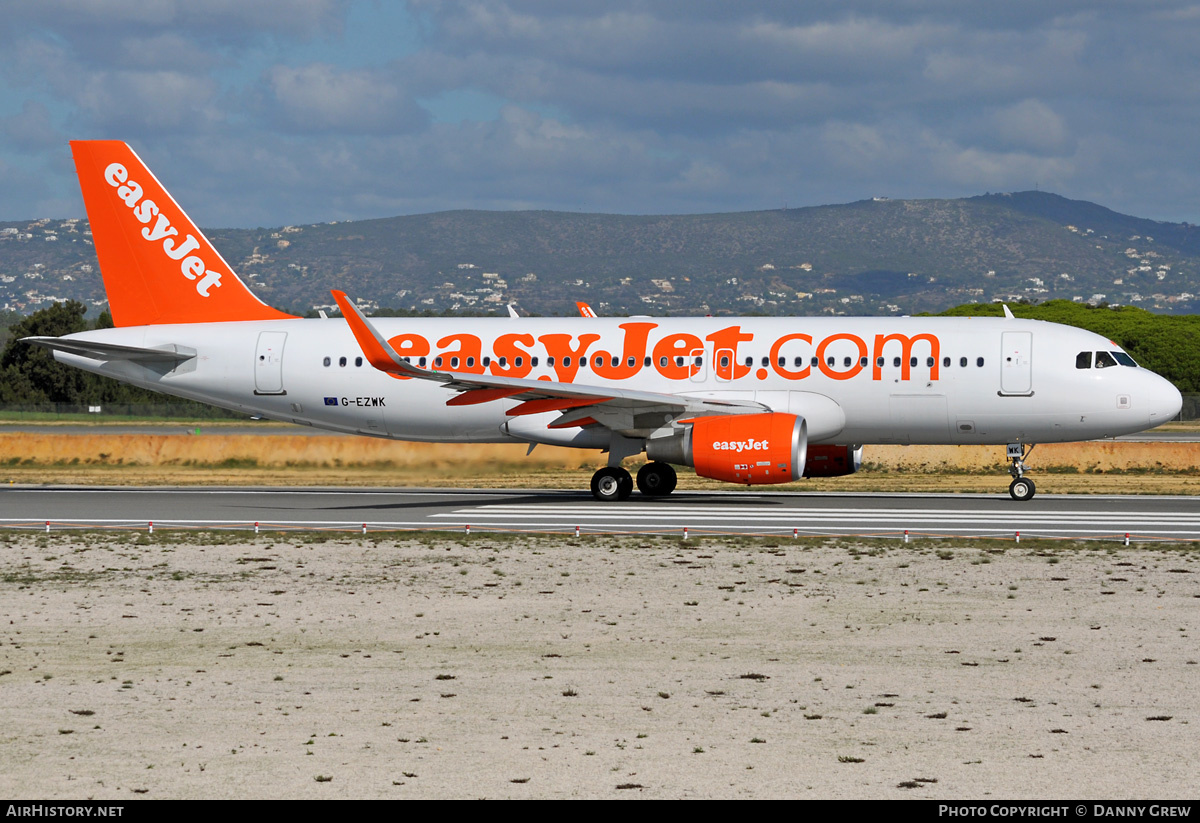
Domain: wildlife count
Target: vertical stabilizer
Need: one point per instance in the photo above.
(158, 267)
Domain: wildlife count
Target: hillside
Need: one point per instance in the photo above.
(869, 257)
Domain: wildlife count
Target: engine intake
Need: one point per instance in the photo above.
(750, 449)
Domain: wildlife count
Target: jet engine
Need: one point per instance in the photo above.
(750, 449)
(832, 461)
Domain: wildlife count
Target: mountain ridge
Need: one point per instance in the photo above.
(878, 256)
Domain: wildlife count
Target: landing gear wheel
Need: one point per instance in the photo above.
(612, 483)
(656, 479)
(1022, 489)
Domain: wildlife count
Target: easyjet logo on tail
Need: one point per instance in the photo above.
(158, 228)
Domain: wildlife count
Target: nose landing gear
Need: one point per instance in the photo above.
(1021, 488)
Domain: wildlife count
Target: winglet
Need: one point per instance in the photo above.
(379, 352)
(584, 309)
(1007, 311)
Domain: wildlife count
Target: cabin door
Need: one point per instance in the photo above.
(268, 363)
(1016, 363)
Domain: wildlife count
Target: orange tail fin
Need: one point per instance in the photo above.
(157, 266)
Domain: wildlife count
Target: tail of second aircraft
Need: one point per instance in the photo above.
(158, 267)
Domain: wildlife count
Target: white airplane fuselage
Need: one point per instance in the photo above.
(854, 380)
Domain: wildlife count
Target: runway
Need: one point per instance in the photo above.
(746, 513)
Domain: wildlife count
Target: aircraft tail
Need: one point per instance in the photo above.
(158, 267)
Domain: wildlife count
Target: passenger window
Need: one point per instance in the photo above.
(724, 361)
(550, 362)
(437, 362)
(896, 362)
(487, 361)
(847, 361)
(766, 361)
(422, 362)
(503, 362)
(470, 362)
(782, 362)
(631, 362)
(699, 361)
(979, 362)
(679, 361)
(945, 362)
(798, 362)
(829, 361)
(749, 361)
(646, 363)
(533, 362)
(582, 362)
(599, 361)
(358, 362)
(929, 362)
(454, 362)
(566, 363)
(1104, 360)
(1083, 360)
(879, 362)
(816, 361)
(520, 361)
(962, 362)
(328, 361)
(912, 362)
(862, 362)
(662, 363)
(341, 361)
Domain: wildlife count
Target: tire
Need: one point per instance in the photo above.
(656, 479)
(611, 484)
(1022, 489)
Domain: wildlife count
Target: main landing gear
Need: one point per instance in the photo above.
(613, 483)
(1021, 488)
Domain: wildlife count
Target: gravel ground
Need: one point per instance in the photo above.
(174, 667)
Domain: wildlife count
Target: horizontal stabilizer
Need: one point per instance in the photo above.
(111, 351)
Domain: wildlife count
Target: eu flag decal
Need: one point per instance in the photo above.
(331, 401)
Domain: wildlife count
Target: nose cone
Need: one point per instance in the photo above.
(1165, 402)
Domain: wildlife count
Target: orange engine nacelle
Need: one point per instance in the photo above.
(750, 449)
(832, 461)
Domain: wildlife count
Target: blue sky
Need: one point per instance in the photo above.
(269, 112)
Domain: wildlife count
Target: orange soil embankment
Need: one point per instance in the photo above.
(334, 451)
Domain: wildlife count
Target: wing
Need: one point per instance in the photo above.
(626, 411)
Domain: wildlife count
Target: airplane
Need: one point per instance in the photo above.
(749, 401)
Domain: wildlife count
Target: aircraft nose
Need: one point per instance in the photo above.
(1165, 402)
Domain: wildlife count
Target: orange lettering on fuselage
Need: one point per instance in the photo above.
(829, 371)
(634, 349)
(469, 354)
(781, 367)
(673, 353)
(517, 362)
(906, 344)
(566, 359)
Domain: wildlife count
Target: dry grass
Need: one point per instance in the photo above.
(282, 459)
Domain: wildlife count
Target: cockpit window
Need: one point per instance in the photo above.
(1124, 359)
(1104, 360)
(1083, 360)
